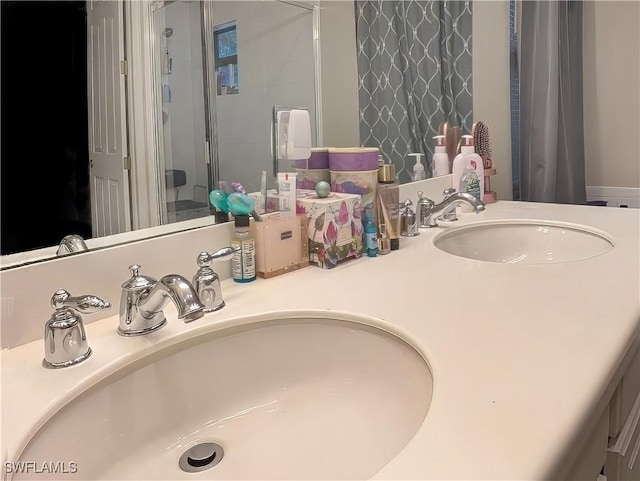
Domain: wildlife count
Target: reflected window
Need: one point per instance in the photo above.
(226, 58)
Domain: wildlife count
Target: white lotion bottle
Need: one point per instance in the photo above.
(440, 161)
(464, 158)
(418, 168)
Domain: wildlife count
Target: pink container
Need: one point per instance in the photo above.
(307, 179)
(353, 159)
(363, 183)
(319, 160)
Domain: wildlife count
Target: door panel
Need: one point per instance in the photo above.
(107, 124)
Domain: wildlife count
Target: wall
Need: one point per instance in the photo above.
(184, 128)
(275, 67)
(26, 290)
(340, 112)
(491, 102)
(612, 93)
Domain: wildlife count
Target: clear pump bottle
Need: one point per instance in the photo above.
(244, 261)
(440, 157)
(418, 168)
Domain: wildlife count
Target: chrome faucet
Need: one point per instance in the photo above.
(143, 299)
(71, 243)
(431, 212)
(65, 341)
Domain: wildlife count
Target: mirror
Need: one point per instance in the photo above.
(275, 62)
(240, 98)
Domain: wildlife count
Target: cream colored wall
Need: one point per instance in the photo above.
(611, 57)
(491, 103)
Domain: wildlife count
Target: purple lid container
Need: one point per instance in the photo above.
(319, 160)
(354, 158)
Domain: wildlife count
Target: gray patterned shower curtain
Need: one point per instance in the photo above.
(414, 72)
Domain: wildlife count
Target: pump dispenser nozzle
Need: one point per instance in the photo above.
(440, 140)
(467, 146)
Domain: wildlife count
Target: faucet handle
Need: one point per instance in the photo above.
(448, 192)
(65, 340)
(86, 304)
(224, 254)
(206, 282)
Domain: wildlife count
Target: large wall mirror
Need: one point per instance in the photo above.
(196, 100)
(203, 76)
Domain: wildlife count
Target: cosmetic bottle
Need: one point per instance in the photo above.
(384, 243)
(243, 263)
(370, 231)
(440, 160)
(418, 168)
(389, 203)
(460, 162)
(469, 181)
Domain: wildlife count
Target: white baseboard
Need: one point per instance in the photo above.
(615, 196)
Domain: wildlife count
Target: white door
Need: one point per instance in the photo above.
(109, 175)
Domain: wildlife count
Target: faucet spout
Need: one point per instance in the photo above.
(176, 288)
(143, 299)
(449, 204)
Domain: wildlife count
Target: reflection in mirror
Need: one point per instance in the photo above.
(208, 118)
(253, 55)
(45, 152)
(276, 65)
(414, 69)
(205, 131)
(182, 110)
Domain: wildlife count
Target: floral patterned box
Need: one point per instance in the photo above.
(334, 226)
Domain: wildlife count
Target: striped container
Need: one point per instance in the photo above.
(354, 170)
(313, 170)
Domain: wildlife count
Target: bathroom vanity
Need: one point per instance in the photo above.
(503, 370)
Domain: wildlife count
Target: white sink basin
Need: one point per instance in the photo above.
(524, 242)
(286, 399)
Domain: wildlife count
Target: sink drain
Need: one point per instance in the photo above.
(200, 457)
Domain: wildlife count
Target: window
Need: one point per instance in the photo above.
(226, 58)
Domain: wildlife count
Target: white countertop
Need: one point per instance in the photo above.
(521, 354)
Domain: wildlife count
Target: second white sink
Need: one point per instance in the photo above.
(523, 242)
(285, 399)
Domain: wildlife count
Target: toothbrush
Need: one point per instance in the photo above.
(263, 192)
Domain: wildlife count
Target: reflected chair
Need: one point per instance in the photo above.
(186, 208)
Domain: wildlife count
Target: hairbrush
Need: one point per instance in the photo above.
(480, 133)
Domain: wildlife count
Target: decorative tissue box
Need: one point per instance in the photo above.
(334, 226)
